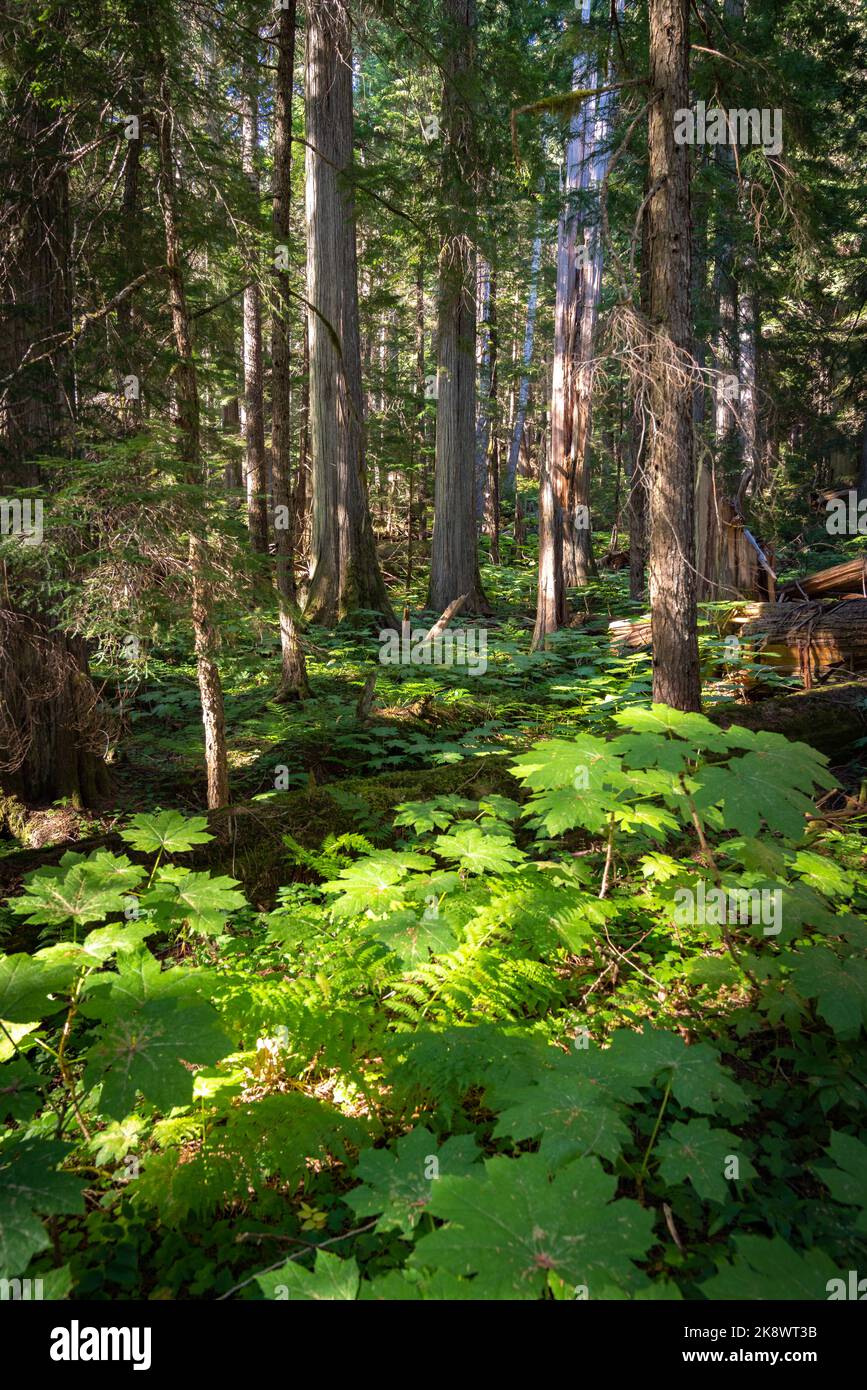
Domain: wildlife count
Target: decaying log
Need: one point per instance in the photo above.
(630, 634)
(813, 639)
(820, 497)
(831, 718)
(615, 560)
(848, 578)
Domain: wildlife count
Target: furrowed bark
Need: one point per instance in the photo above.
(293, 679)
(454, 557)
(676, 679)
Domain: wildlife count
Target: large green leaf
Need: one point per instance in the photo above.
(435, 814)
(330, 1279)
(698, 1154)
(166, 831)
(20, 1087)
(27, 983)
(201, 900)
(838, 986)
(573, 1115)
(399, 1184)
(847, 1183)
(147, 1050)
(559, 763)
(86, 891)
(372, 883)
(772, 783)
(31, 1187)
(480, 851)
(695, 730)
(697, 1078)
(412, 937)
(444, 1065)
(769, 1270)
(511, 1224)
(98, 945)
(139, 977)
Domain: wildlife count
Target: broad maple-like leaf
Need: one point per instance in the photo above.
(574, 1116)
(697, 1077)
(480, 851)
(32, 1187)
(372, 882)
(838, 986)
(26, 984)
(771, 1269)
(147, 1051)
(87, 891)
(412, 938)
(511, 1224)
(166, 831)
(435, 814)
(330, 1279)
(20, 1087)
(139, 977)
(696, 1153)
(200, 899)
(847, 1183)
(398, 1184)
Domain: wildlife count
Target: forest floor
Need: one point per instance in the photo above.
(422, 717)
(350, 1003)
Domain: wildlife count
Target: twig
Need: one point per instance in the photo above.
(279, 1263)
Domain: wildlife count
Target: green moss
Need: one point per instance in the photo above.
(250, 837)
(13, 818)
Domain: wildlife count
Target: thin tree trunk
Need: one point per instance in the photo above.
(483, 353)
(301, 495)
(725, 286)
(127, 326)
(293, 678)
(454, 555)
(189, 438)
(509, 482)
(492, 516)
(255, 468)
(640, 426)
(420, 432)
(550, 598)
(579, 281)
(748, 334)
(676, 678)
(862, 464)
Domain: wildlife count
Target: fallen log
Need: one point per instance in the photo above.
(848, 578)
(615, 560)
(631, 634)
(813, 639)
(830, 718)
(820, 497)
